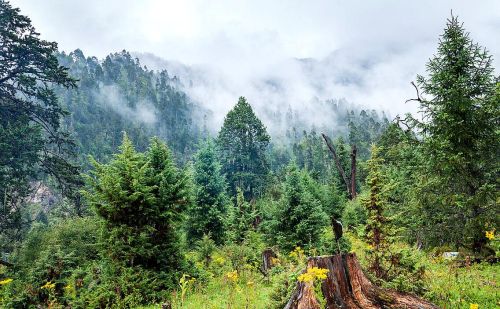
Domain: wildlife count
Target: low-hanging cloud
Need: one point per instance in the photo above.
(277, 54)
(142, 111)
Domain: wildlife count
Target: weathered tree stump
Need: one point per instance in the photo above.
(267, 260)
(347, 287)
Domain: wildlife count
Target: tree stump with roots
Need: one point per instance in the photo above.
(347, 287)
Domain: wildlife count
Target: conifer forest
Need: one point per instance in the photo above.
(259, 155)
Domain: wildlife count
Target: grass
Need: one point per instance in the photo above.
(453, 287)
(448, 286)
(251, 291)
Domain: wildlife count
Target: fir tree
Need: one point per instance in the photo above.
(241, 218)
(209, 210)
(301, 218)
(457, 192)
(141, 198)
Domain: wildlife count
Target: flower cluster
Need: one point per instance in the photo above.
(5, 281)
(474, 306)
(49, 285)
(232, 276)
(490, 234)
(312, 274)
(297, 253)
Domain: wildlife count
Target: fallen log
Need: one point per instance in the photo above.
(347, 287)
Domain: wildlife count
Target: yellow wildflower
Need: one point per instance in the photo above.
(232, 276)
(297, 253)
(474, 306)
(49, 285)
(186, 279)
(490, 234)
(312, 274)
(6, 281)
(275, 261)
(250, 283)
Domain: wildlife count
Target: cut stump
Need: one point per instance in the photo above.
(267, 260)
(347, 287)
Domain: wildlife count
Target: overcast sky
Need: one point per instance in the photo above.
(381, 44)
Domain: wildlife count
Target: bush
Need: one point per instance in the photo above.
(48, 258)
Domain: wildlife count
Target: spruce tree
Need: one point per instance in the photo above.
(241, 218)
(243, 141)
(140, 197)
(458, 189)
(208, 212)
(301, 218)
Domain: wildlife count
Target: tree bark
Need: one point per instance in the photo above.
(347, 287)
(267, 260)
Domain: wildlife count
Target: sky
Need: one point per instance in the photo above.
(367, 52)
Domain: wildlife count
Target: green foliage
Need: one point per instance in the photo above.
(300, 218)
(243, 141)
(241, 218)
(117, 94)
(456, 195)
(354, 215)
(141, 197)
(377, 224)
(32, 141)
(453, 287)
(208, 213)
(53, 254)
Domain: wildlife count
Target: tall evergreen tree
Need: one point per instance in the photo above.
(243, 141)
(207, 213)
(458, 189)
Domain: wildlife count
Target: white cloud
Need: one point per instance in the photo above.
(365, 51)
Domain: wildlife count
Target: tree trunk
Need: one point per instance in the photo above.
(337, 163)
(347, 287)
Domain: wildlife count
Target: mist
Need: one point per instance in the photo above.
(278, 55)
(111, 96)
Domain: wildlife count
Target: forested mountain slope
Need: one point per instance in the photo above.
(119, 95)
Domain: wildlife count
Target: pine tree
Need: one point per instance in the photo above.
(207, 213)
(301, 218)
(243, 141)
(461, 142)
